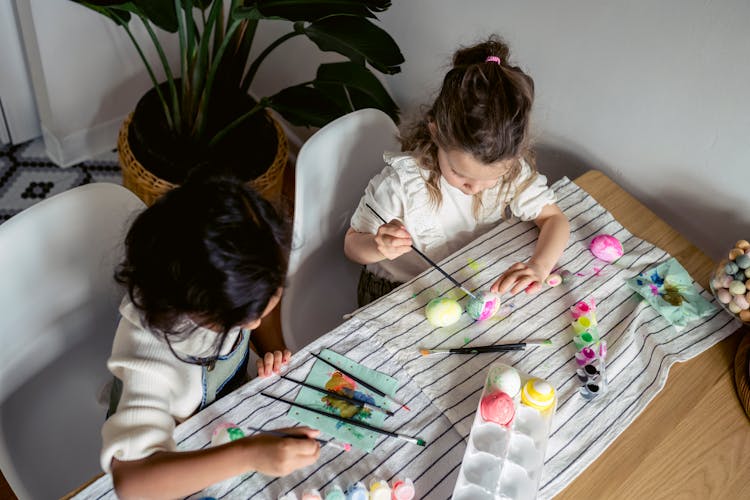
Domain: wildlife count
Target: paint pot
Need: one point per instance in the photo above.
(588, 373)
(356, 491)
(335, 493)
(379, 490)
(589, 391)
(402, 489)
(288, 496)
(312, 494)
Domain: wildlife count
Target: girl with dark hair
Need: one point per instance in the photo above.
(466, 161)
(204, 267)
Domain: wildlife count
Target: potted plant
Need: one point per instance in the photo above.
(203, 114)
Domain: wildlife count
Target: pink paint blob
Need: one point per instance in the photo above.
(606, 247)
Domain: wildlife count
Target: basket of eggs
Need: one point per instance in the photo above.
(730, 281)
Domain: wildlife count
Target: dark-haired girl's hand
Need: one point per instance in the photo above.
(272, 362)
(278, 456)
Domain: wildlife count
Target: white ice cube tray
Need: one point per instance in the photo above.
(505, 462)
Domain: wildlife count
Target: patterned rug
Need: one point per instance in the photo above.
(27, 175)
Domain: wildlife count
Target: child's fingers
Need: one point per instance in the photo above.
(301, 431)
(286, 356)
(533, 287)
(261, 366)
(521, 284)
(277, 361)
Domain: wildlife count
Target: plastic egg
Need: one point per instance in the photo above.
(747, 272)
(745, 316)
(742, 245)
(442, 311)
(734, 308)
(484, 306)
(538, 394)
(504, 378)
(606, 247)
(737, 288)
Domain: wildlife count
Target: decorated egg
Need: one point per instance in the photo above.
(538, 394)
(497, 407)
(226, 432)
(484, 306)
(442, 311)
(504, 378)
(606, 247)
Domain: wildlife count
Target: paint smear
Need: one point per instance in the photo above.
(473, 265)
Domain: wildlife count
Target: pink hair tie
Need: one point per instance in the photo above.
(493, 59)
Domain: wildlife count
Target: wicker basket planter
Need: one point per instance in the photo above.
(149, 187)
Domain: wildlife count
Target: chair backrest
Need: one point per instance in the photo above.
(333, 169)
(58, 314)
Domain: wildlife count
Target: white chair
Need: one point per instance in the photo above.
(58, 314)
(333, 169)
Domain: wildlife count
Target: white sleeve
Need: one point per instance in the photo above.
(144, 420)
(528, 203)
(385, 194)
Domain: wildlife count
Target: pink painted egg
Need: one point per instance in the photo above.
(606, 247)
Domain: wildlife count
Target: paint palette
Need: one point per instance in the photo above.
(505, 453)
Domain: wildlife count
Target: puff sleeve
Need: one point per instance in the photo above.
(529, 202)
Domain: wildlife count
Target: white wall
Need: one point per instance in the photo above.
(18, 117)
(86, 74)
(654, 94)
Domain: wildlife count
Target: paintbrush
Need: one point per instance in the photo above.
(520, 346)
(417, 441)
(323, 442)
(342, 397)
(362, 382)
(429, 261)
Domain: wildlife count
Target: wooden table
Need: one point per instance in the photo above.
(693, 440)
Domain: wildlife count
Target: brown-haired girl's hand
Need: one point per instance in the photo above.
(520, 276)
(393, 240)
(278, 456)
(272, 362)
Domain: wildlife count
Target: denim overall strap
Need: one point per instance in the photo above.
(227, 373)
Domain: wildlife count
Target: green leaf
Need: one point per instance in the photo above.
(354, 87)
(306, 106)
(311, 10)
(103, 8)
(160, 12)
(359, 40)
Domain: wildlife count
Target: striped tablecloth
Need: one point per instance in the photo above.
(443, 391)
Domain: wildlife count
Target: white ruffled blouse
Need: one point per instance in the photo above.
(399, 192)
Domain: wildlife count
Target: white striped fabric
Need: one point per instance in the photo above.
(443, 391)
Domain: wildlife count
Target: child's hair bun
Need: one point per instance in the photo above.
(477, 54)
